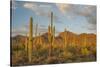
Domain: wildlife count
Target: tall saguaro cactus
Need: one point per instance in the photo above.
(52, 22)
(65, 39)
(51, 31)
(53, 36)
(30, 39)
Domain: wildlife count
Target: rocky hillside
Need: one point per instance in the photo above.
(71, 39)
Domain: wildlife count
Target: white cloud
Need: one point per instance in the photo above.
(62, 7)
(89, 12)
(74, 10)
(29, 5)
(39, 9)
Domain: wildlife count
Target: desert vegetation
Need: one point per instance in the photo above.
(67, 47)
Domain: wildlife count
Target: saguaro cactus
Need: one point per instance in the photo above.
(40, 39)
(36, 30)
(51, 31)
(85, 41)
(30, 39)
(17, 48)
(65, 39)
(26, 44)
(73, 41)
(53, 35)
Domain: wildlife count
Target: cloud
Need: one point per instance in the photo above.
(66, 12)
(89, 12)
(70, 11)
(39, 9)
(30, 6)
(63, 7)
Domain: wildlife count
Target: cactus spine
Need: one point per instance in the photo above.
(30, 40)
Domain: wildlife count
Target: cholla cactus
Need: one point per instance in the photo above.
(30, 40)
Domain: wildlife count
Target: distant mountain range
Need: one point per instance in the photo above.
(71, 38)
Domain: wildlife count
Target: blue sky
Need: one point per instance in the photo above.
(74, 17)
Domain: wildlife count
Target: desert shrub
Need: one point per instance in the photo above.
(51, 60)
(40, 55)
(85, 52)
(66, 55)
(72, 49)
(93, 50)
(19, 58)
(56, 50)
(42, 51)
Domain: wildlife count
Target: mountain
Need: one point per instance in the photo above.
(89, 38)
(71, 39)
(81, 39)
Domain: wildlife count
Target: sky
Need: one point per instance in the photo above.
(74, 17)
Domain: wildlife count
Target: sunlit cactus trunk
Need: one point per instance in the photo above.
(51, 32)
(40, 40)
(30, 40)
(26, 45)
(49, 29)
(50, 54)
(65, 39)
(17, 48)
(85, 41)
(74, 42)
